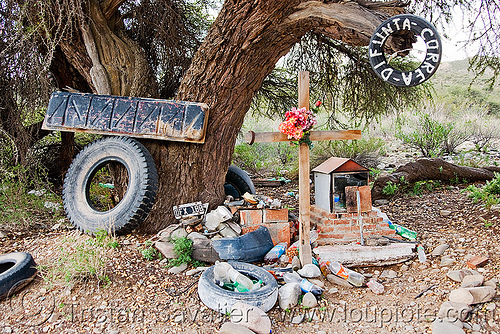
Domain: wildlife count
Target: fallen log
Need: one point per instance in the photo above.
(432, 169)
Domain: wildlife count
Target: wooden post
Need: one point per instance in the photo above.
(304, 186)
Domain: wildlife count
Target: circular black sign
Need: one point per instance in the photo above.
(418, 26)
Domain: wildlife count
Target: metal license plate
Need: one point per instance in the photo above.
(190, 209)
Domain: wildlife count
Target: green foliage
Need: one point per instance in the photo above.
(489, 194)
(390, 188)
(428, 136)
(183, 249)
(149, 252)
(420, 187)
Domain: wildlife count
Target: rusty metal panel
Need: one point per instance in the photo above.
(130, 116)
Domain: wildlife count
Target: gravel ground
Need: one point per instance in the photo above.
(143, 298)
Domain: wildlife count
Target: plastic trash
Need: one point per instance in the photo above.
(274, 254)
(421, 253)
(221, 272)
(233, 286)
(323, 266)
(375, 287)
(403, 231)
(309, 271)
(226, 274)
(307, 286)
(295, 263)
(349, 275)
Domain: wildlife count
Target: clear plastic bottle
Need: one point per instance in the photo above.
(307, 286)
(323, 266)
(421, 253)
(349, 275)
(375, 287)
(403, 231)
(274, 254)
(292, 278)
(237, 277)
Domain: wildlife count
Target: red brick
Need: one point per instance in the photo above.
(372, 213)
(352, 235)
(331, 236)
(370, 227)
(276, 216)
(251, 217)
(384, 225)
(366, 221)
(477, 261)
(387, 232)
(327, 229)
(342, 222)
(345, 228)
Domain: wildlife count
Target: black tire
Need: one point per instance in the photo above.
(420, 27)
(138, 199)
(238, 182)
(221, 300)
(16, 271)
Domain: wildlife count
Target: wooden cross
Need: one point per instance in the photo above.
(304, 164)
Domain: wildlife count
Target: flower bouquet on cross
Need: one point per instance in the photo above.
(298, 123)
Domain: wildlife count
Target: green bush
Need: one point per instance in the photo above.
(488, 194)
(428, 135)
(183, 249)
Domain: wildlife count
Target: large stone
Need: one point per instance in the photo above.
(166, 249)
(388, 274)
(338, 280)
(462, 296)
(178, 269)
(166, 233)
(317, 282)
(458, 275)
(204, 251)
(447, 261)
(195, 235)
(444, 327)
(309, 300)
(439, 250)
(454, 310)
(471, 281)
(251, 317)
(288, 295)
(230, 328)
(482, 294)
(178, 233)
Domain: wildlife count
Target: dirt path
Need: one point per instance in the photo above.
(143, 298)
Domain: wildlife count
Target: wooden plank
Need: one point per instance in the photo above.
(365, 199)
(267, 183)
(268, 137)
(305, 252)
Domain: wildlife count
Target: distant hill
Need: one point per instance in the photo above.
(453, 80)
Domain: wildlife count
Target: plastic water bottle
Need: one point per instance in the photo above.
(274, 254)
(257, 285)
(375, 287)
(292, 278)
(232, 286)
(349, 275)
(307, 286)
(421, 253)
(336, 202)
(323, 266)
(237, 277)
(403, 231)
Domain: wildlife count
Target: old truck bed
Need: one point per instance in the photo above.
(127, 116)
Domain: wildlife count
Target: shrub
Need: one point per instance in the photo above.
(488, 194)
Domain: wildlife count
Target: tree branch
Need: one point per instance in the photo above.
(379, 4)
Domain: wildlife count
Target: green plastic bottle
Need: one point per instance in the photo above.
(403, 231)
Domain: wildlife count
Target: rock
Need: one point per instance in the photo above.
(477, 261)
(317, 282)
(338, 280)
(454, 310)
(471, 281)
(458, 275)
(165, 234)
(476, 327)
(178, 233)
(204, 251)
(56, 227)
(492, 282)
(333, 291)
(126, 242)
(439, 250)
(443, 327)
(226, 231)
(166, 249)
(288, 295)
(251, 317)
(309, 300)
(310, 271)
(388, 274)
(404, 268)
(462, 296)
(2, 235)
(482, 294)
(195, 271)
(195, 235)
(495, 207)
(298, 319)
(447, 261)
(178, 269)
(491, 307)
(445, 213)
(230, 328)
(380, 202)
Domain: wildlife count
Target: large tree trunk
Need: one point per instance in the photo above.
(242, 48)
(432, 169)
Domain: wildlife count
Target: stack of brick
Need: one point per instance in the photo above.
(276, 220)
(342, 228)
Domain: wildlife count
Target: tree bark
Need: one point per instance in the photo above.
(432, 169)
